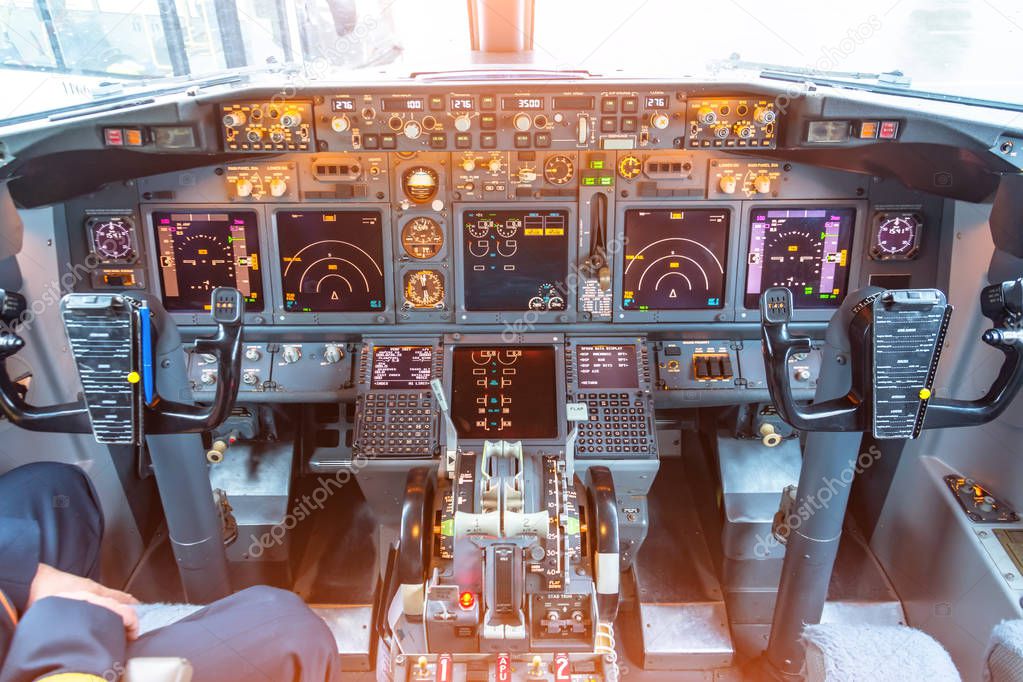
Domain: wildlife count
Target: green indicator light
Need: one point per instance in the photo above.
(589, 181)
(605, 180)
(597, 165)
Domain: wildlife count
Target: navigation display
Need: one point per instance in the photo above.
(331, 261)
(515, 260)
(199, 252)
(805, 250)
(401, 367)
(674, 258)
(606, 366)
(504, 392)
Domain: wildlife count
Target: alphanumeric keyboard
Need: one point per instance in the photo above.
(619, 425)
(397, 423)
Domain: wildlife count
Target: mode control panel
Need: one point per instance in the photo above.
(612, 376)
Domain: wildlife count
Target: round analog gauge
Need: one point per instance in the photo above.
(548, 298)
(420, 184)
(480, 228)
(896, 236)
(112, 238)
(424, 289)
(422, 238)
(629, 167)
(558, 170)
(508, 228)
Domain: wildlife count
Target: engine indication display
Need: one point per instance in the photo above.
(504, 392)
(515, 260)
(674, 259)
(199, 252)
(331, 261)
(803, 249)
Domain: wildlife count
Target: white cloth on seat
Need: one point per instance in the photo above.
(155, 616)
(839, 652)
(1004, 659)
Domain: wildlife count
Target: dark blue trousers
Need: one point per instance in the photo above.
(261, 633)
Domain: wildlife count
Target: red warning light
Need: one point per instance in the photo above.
(467, 600)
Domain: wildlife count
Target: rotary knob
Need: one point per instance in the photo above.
(744, 130)
(801, 374)
(291, 119)
(721, 131)
(254, 136)
(332, 354)
(252, 354)
(250, 377)
(494, 165)
(278, 187)
(340, 124)
(764, 115)
(235, 119)
(463, 123)
(762, 184)
(468, 164)
(277, 136)
(660, 121)
(291, 354)
(706, 116)
(208, 377)
(413, 130)
(243, 187)
(728, 184)
(521, 122)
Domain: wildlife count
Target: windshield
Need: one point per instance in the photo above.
(59, 53)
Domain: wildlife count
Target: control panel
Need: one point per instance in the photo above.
(271, 126)
(395, 410)
(728, 123)
(612, 377)
(271, 371)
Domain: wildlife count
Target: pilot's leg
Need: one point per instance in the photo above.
(261, 633)
(61, 500)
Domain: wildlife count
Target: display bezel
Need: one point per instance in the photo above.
(555, 341)
(383, 316)
(726, 312)
(514, 317)
(151, 249)
(856, 252)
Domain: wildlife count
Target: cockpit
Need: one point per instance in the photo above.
(516, 372)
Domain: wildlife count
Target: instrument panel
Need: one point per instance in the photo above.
(556, 204)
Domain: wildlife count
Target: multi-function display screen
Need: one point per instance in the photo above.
(504, 392)
(515, 260)
(331, 261)
(675, 258)
(401, 367)
(805, 250)
(201, 251)
(606, 366)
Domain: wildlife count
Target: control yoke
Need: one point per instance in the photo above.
(125, 349)
(891, 340)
